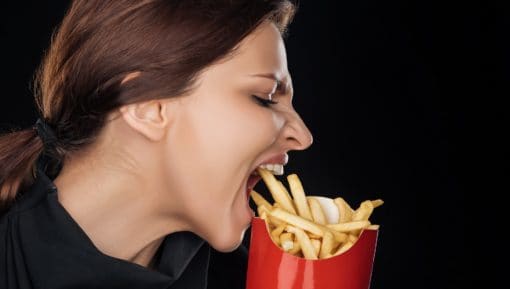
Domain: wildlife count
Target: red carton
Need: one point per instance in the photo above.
(269, 267)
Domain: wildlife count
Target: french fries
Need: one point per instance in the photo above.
(278, 191)
(298, 193)
(317, 213)
(299, 226)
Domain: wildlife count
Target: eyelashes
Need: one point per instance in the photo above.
(264, 102)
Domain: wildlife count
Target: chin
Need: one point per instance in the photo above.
(227, 249)
(227, 245)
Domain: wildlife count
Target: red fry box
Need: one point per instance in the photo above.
(269, 267)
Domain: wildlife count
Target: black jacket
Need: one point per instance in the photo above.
(41, 246)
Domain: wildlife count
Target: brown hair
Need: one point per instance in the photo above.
(98, 43)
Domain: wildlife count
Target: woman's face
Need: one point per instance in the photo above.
(221, 133)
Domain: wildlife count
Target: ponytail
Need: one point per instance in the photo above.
(19, 152)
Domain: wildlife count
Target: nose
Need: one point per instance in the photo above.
(296, 134)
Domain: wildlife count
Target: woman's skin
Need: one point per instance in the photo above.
(181, 164)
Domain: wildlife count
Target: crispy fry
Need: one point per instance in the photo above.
(272, 220)
(295, 249)
(304, 242)
(352, 238)
(297, 221)
(373, 227)
(339, 236)
(286, 241)
(263, 214)
(317, 213)
(351, 226)
(298, 193)
(259, 200)
(286, 193)
(364, 211)
(343, 248)
(344, 210)
(316, 245)
(277, 231)
(327, 245)
(377, 203)
(277, 190)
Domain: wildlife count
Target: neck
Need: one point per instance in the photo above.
(117, 209)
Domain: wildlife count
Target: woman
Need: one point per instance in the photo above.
(155, 114)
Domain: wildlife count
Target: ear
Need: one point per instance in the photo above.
(148, 118)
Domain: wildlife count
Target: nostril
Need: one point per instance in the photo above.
(296, 144)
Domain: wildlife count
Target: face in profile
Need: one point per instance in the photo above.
(226, 128)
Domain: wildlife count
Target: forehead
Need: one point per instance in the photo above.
(263, 49)
(261, 52)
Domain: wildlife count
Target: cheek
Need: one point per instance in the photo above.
(224, 138)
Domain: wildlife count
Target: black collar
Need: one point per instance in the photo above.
(48, 249)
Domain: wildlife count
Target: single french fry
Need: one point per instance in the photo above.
(373, 227)
(263, 214)
(327, 245)
(343, 248)
(316, 245)
(377, 203)
(286, 193)
(269, 218)
(295, 249)
(275, 221)
(298, 193)
(277, 190)
(286, 241)
(352, 238)
(348, 227)
(304, 242)
(345, 211)
(317, 213)
(297, 221)
(276, 232)
(259, 200)
(363, 212)
(313, 236)
(339, 236)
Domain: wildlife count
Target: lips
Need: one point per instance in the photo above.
(282, 159)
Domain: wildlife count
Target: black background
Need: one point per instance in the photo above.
(388, 90)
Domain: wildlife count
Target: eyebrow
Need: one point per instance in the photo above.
(281, 86)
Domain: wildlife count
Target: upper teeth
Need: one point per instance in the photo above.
(276, 169)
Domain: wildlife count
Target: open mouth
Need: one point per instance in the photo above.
(273, 164)
(254, 178)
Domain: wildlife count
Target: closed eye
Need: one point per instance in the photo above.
(264, 102)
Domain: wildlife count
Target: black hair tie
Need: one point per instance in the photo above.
(46, 133)
(49, 161)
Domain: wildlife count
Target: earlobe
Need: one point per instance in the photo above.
(148, 118)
